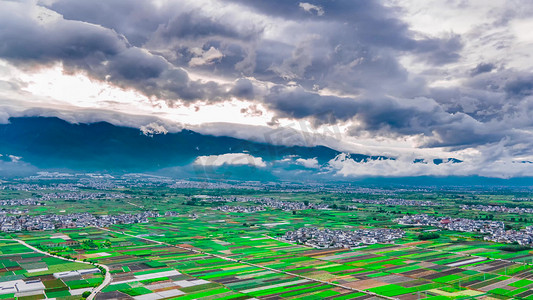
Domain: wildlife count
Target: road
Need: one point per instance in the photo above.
(139, 206)
(251, 264)
(107, 278)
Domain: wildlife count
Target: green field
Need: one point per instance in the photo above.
(204, 253)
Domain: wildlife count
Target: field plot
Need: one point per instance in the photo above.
(26, 274)
(208, 254)
(406, 271)
(146, 270)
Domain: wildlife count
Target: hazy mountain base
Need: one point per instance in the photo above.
(37, 143)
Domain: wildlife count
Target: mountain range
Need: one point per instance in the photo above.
(49, 143)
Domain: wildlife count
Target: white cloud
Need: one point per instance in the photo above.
(310, 8)
(15, 158)
(405, 166)
(16, 167)
(311, 163)
(205, 57)
(230, 159)
(4, 117)
(153, 128)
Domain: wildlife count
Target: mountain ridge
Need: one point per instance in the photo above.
(50, 142)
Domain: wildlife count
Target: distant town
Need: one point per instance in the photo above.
(75, 220)
(401, 202)
(240, 209)
(495, 230)
(20, 202)
(269, 202)
(498, 208)
(328, 238)
(457, 224)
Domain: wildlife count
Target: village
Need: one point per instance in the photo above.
(328, 238)
(20, 202)
(457, 224)
(395, 202)
(498, 208)
(240, 209)
(75, 220)
(290, 205)
(495, 230)
(522, 237)
(83, 196)
(270, 202)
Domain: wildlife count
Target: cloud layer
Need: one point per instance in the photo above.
(235, 159)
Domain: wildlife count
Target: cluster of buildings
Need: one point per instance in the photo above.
(78, 181)
(180, 184)
(289, 187)
(270, 202)
(521, 237)
(20, 202)
(495, 230)
(14, 211)
(290, 205)
(397, 202)
(27, 187)
(522, 199)
(457, 224)
(83, 196)
(497, 208)
(240, 209)
(76, 220)
(328, 238)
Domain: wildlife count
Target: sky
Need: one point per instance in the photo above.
(403, 78)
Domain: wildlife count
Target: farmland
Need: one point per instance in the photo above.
(201, 252)
(32, 275)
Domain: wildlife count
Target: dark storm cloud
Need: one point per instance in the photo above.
(385, 116)
(243, 88)
(482, 68)
(24, 40)
(519, 87)
(144, 67)
(440, 51)
(297, 103)
(355, 26)
(499, 106)
(297, 48)
(502, 96)
(192, 25)
(353, 47)
(367, 23)
(98, 51)
(135, 19)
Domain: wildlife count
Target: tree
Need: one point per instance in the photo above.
(86, 294)
(428, 236)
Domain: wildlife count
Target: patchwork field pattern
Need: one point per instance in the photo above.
(204, 253)
(260, 266)
(26, 274)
